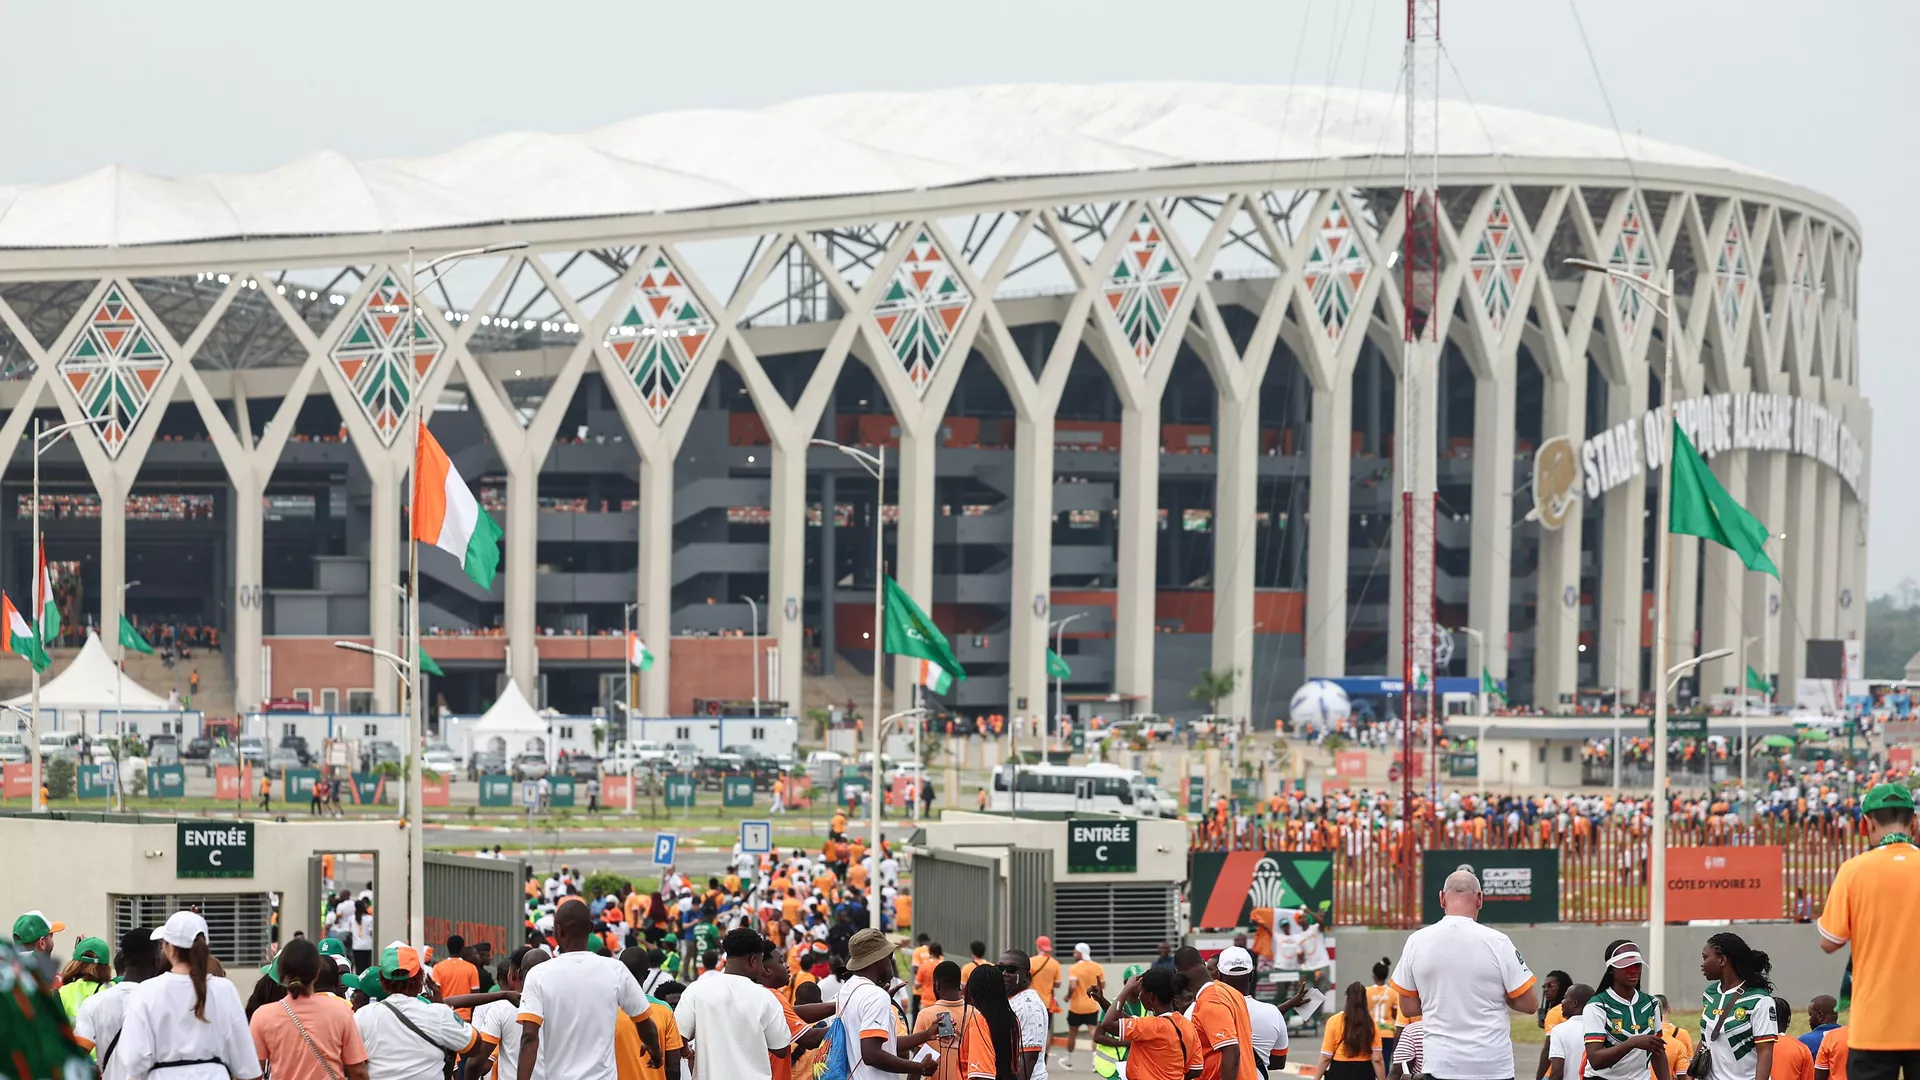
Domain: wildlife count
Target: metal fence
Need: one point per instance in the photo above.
(1603, 868)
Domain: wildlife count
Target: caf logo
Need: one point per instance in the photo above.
(1556, 482)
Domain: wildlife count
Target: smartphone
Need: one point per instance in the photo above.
(943, 1025)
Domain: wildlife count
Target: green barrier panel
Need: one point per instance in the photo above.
(296, 785)
(166, 782)
(497, 789)
(737, 791)
(562, 791)
(93, 781)
(681, 792)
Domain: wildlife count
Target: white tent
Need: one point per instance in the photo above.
(91, 683)
(511, 727)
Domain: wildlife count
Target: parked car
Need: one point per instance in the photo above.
(62, 744)
(253, 751)
(163, 751)
(486, 763)
(379, 752)
(638, 756)
(581, 767)
(684, 755)
(197, 748)
(439, 758)
(712, 769)
(13, 753)
(762, 767)
(529, 766)
(297, 744)
(282, 760)
(221, 757)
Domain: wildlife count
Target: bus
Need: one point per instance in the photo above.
(1098, 788)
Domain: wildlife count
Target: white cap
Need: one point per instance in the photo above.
(1083, 950)
(1236, 961)
(181, 928)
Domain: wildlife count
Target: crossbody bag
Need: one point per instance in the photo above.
(447, 1068)
(1700, 1066)
(308, 1039)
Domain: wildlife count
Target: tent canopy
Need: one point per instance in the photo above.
(511, 714)
(93, 682)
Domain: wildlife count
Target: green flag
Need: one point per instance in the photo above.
(1701, 507)
(427, 666)
(20, 639)
(1756, 681)
(908, 632)
(1056, 667)
(130, 638)
(1489, 687)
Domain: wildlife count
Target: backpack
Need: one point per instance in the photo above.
(837, 1065)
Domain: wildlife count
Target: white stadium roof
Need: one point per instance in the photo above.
(837, 145)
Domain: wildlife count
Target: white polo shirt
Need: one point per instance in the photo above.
(98, 1022)
(498, 1022)
(733, 1023)
(1268, 1030)
(1465, 974)
(577, 998)
(866, 1011)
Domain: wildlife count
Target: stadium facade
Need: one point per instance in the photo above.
(1133, 350)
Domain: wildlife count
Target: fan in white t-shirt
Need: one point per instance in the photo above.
(498, 1022)
(874, 1043)
(101, 1016)
(1567, 1042)
(570, 1004)
(730, 1021)
(1463, 978)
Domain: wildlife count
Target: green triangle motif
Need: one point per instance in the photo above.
(1313, 870)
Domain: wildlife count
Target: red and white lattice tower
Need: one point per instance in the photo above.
(1420, 280)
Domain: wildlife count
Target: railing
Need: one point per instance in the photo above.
(1603, 866)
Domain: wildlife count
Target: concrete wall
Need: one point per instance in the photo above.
(1800, 969)
(70, 869)
(1163, 844)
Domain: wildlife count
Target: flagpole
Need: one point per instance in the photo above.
(416, 734)
(38, 605)
(1657, 857)
(879, 582)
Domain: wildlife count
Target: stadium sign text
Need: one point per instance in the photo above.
(1717, 422)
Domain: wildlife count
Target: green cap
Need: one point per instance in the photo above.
(366, 982)
(92, 950)
(33, 926)
(271, 969)
(332, 947)
(1882, 797)
(597, 943)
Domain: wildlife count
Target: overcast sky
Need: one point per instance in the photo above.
(1818, 94)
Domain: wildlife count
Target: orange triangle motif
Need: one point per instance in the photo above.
(1153, 236)
(147, 376)
(113, 339)
(886, 323)
(1354, 277)
(622, 348)
(920, 279)
(659, 304)
(691, 343)
(387, 324)
(78, 380)
(1113, 298)
(351, 368)
(1169, 294)
(951, 315)
(932, 255)
(672, 282)
(1513, 273)
(423, 361)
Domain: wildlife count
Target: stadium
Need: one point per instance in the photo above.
(1132, 352)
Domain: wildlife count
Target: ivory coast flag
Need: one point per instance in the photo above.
(932, 676)
(637, 652)
(45, 607)
(20, 640)
(446, 515)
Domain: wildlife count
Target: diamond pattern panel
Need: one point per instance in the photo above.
(1802, 284)
(1498, 264)
(383, 368)
(1144, 286)
(922, 305)
(1633, 254)
(1335, 270)
(1731, 276)
(113, 365)
(659, 335)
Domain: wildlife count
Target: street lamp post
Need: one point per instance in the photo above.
(876, 467)
(44, 439)
(626, 664)
(416, 855)
(1657, 858)
(754, 605)
(1059, 647)
(1480, 648)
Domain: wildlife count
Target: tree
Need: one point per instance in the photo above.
(1893, 633)
(1213, 687)
(60, 778)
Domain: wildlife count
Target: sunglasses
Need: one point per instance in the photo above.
(1011, 969)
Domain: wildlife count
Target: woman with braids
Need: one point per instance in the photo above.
(1621, 1022)
(1161, 1044)
(307, 1035)
(1351, 1048)
(186, 1023)
(989, 1034)
(1737, 1025)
